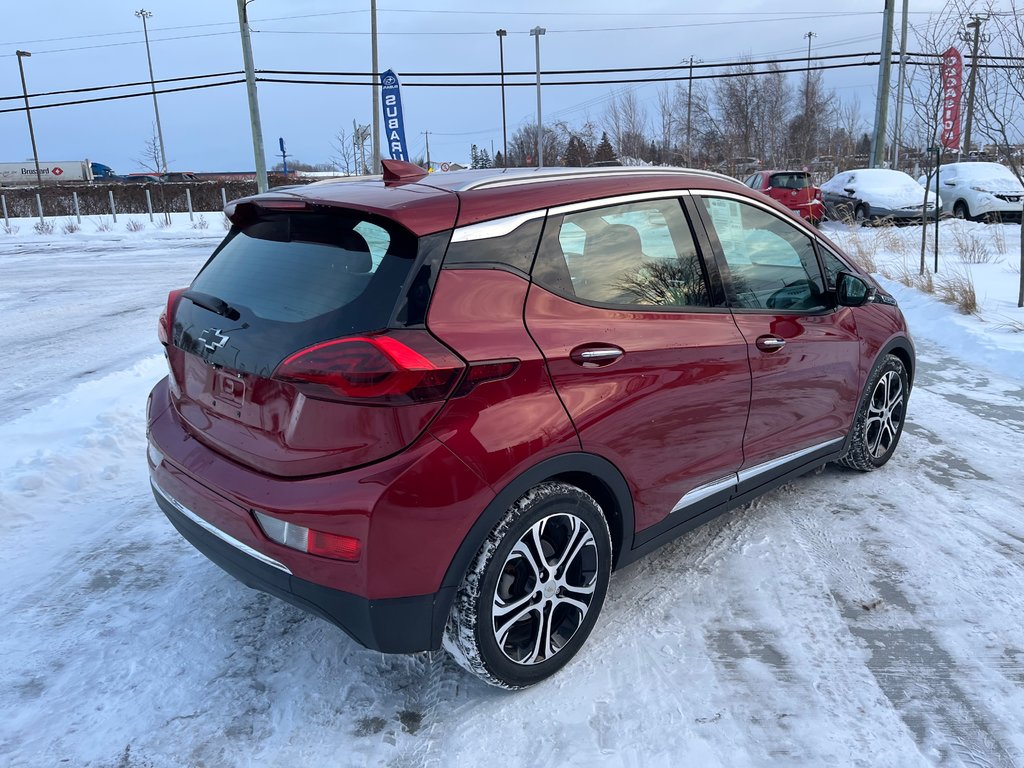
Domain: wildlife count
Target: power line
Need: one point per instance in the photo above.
(123, 96)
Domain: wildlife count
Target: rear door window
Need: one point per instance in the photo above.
(640, 253)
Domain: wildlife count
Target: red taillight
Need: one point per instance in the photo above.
(163, 326)
(333, 545)
(402, 367)
(817, 194)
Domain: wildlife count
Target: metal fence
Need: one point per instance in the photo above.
(119, 199)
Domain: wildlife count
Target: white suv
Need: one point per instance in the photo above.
(979, 191)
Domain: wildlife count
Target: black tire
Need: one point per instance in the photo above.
(960, 210)
(862, 215)
(544, 591)
(879, 420)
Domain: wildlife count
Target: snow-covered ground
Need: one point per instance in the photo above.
(844, 619)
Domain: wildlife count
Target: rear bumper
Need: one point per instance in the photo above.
(391, 625)
(813, 211)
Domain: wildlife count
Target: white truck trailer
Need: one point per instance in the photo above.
(25, 173)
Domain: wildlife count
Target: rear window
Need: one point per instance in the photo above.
(790, 181)
(297, 279)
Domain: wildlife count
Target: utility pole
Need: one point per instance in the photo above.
(900, 88)
(807, 97)
(689, 115)
(375, 87)
(975, 24)
(504, 129)
(143, 14)
(882, 104)
(536, 32)
(28, 113)
(426, 137)
(254, 105)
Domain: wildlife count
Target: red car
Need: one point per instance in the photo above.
(793, 189)
(441, 410)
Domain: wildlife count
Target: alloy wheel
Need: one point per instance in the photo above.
(885, 414)
(545, 589)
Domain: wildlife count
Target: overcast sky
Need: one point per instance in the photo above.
(78, 45)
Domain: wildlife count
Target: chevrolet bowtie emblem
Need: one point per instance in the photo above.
(213, 339)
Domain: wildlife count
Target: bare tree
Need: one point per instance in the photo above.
(1001, 99)
(626, 123)
(344, 157)
(150, 157)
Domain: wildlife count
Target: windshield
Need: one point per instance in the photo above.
(989, 175)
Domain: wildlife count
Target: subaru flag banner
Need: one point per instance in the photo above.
(952, 73)
(394, 126)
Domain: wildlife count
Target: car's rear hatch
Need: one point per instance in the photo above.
(300, 347)
(792, 188)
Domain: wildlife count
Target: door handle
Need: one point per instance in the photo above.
(770, 343)
(595, 355)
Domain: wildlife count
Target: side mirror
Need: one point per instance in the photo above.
(949, 183)
(849, 190)
(852, 291)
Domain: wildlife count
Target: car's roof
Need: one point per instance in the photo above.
(430, 203)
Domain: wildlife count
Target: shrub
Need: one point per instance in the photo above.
(957, 288)
(69, 227)
(10, 229)
(43, 227)
(971, 248)
(103, 224)
(134, 225)
(200, 223)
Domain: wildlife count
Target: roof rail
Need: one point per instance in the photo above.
(517, 176)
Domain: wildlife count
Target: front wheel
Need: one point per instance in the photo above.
(533, 593)
(861, 215)
(878, 424)
(960, 210)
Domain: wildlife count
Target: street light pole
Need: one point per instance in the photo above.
(504, 129)
(144, 14)
(262, 183)
(374, 86)
(975, 24)
(536, 32)
(689, 114)
(28, 113)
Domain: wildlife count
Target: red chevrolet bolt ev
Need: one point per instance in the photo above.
(440, 410)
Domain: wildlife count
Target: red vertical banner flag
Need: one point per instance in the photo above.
(952, 90)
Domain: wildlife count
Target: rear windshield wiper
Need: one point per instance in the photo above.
(212, 303)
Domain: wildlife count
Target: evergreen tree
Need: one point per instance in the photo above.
(604, 151)
(474, 156)
(499, 160)
(577, 154)
(484, 159)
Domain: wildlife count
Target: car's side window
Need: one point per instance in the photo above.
(637, 253)
(771, 262)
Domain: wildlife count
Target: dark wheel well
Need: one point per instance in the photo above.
(907, 359)
(604, 496)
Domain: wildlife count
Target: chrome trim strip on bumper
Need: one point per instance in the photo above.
(768, 466)
(210, 528)
(702, 492)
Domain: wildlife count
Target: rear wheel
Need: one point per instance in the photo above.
(878, 423)
(534, 591)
